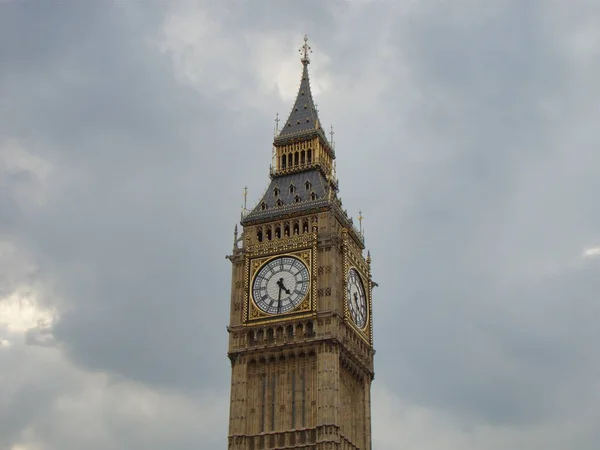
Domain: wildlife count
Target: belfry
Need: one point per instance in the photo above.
(301, 323)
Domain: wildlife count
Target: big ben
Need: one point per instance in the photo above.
(301, 323)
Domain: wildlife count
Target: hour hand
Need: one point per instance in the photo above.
(282, 287)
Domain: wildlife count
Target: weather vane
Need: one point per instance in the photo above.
(305, 50)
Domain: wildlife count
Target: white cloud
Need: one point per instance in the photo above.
(20, 312)
(592, 252)
(23, 173)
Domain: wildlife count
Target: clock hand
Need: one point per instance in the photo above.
(280, 284)
(357, 307)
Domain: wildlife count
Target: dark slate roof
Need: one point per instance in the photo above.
(303, 117)
(318, 186)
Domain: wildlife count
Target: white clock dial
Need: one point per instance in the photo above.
(357, 301)
(280, 285)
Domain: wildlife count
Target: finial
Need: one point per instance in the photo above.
(331, 133)
(245, 196)
(276, 123)
(360, 219)
(369, 257)
(305, 50)
(235, 236)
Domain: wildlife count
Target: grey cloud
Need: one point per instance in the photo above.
(445, 104)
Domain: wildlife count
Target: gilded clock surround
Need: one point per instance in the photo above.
(300, 379)
(254, 313)
(353, 259)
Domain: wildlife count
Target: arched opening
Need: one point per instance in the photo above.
(269, 233)
(286, 229)
(283, 161)
(305, 226)
(296, 227)
(276, 192)
(313, 196)
(296, 158)
(309, 155)
(263, 206)
(292, 188)
(259, 235)
(297, 199)
(270, 335)
(279, 202)
(277, 231)
(290, 332)
(307, 185)
(299, 330)
(302, 157)
(309, 329)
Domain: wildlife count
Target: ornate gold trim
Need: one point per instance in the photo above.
(281, 245)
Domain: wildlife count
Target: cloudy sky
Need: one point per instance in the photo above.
(466, 132)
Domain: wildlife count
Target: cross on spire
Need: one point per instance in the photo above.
(305, 50)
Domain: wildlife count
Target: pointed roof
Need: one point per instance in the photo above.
(303, 119)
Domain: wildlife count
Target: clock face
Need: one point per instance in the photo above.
(357, 301)
(280, 285)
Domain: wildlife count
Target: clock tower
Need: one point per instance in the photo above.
(301, 323)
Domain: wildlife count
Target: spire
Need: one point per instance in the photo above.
(303, 118)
